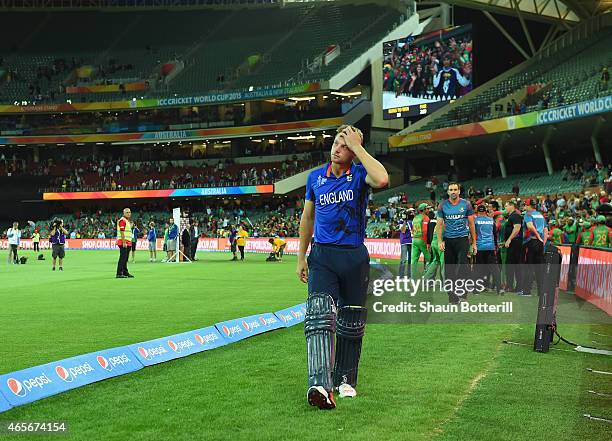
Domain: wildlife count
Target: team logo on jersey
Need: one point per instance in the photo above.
(349, 178)
(461, 209)
(321, 180)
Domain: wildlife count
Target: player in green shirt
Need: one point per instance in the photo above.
(602, 235)
(585, 238)
(570, 231)
(419, 237)
(437, 258)
(166, 232)
(556, 233)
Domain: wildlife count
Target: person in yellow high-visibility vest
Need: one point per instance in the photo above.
(278, 247)
(124, 242)
(241, 238)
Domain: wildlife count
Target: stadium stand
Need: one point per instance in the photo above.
(528, 183)
(357, 27)
(162, 119)
(268, 218)
(264, 48)
(137, 176)
(281, 216)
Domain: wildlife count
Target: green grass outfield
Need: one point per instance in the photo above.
(417, 382)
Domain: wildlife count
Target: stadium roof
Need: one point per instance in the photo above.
(547, 10)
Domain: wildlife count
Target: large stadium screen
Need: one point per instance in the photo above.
(425, 72)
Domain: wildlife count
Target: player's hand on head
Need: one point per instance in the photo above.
(351, 138)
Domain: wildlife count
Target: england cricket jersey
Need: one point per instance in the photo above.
(340, 205)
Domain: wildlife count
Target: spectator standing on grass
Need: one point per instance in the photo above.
(186, 242)
(405, 225)
(194, 232)
(152, 238)
(241, 237)
(36, 240)
(14, 239)
(513, 235)
(124, 242)
(171, 245)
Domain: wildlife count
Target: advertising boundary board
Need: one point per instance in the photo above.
(32, 384)
(377, 248)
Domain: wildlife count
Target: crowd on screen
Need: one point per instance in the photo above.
(443, 69)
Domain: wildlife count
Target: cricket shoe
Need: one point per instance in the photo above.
(345, 390)
(319, 397)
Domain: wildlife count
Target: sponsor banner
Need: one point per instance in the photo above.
(268, 322)
(164, 102)
(117, 361)
(572, 111)
(82, 244)
(378, 248)
(594, 278)
(213, 98)
(293, 315)
(179, 135)
(107, 244)
(208, 338)
(261, 245)
(169, 193)
(213, 244)
(31, 384)
(232, 330)
(27, 244)
(42, 381)
(464, 130)
(566, 253)
(97, 88)
(540, 117)
(168, 348)
(384, 248)
(4, 405)
(239, 329)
